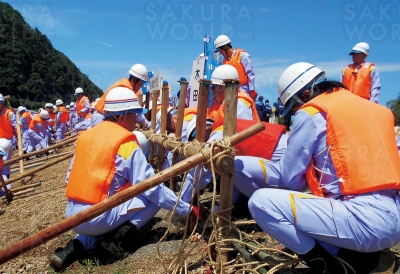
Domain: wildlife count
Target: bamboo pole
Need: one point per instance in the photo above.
(202, 105)
(41, 159)
(63, 226)
(226, 186)
(178, 126)
(48, 164)
(17, 189)
(248, 257)
(163, 125)
(60, 144)
(7, 192)
(147, 103)
(27, 167)
(154, 98)
(21, 162)
(19, 193)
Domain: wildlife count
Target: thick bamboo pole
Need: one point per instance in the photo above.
(60, 144)
(16, 189)
(147, 103)
(178, 126)
(202, 105)
(226, 186)
(163, 125)
(48, 164)
(113, 201)
(15, 194)
(154, 98)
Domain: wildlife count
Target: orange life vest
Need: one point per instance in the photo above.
(64, 117)
(6, 129)
(52, 120)
(121, 83)
(94, 162)
(80, 104)
(188, 113)
(37, 120)
(27, 116)
(364, 156)
(262, 145)
(235, 61)
(219, 114)
(358, 82)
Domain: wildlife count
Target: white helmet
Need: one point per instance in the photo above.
(67, 107)
(59, 102)
(78, 91)
(158, 115)
(201, 55)
(4, 146)
(72, 104)
(221, 40)
(144, 143)
(97, 99)
(295, 78)
(191, 128)
(44, 114)
(21, 108)
(360, 47)
(49, 105)
(1, 98)
(139, 71)
(222, 73)
(121, 99)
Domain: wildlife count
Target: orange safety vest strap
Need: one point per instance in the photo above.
(358, 82)
(6, 129)
(37, 120)
(365, 158)
(94, 162)
(235, 61)
(64, 117)
(81, 105)
(121, 83)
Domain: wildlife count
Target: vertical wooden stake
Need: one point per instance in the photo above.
(202, 105)
(178, 126)
(163, 125)
(154, 98)
(226, 187)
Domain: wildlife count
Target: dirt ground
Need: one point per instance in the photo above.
(32, 212)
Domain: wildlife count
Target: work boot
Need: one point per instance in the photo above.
(114, 242)
(321, 261)
(62, 257)
(363, 263)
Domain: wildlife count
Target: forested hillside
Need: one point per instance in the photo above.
(32, 71)
(394, 105)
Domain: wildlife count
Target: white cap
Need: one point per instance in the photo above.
(44, 114)
(360, 47)
(78, 91)
(59, 102)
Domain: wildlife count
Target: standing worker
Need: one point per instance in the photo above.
(138, 74)
(362, 78)
(62, 119)
(260, 108)
(82, 104)
(24, 120)
(8, 129)
(354, 178)
(241, 60)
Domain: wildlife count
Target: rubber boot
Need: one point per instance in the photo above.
(63, 257)
(363, 263)
(321, 261)
(114, 241)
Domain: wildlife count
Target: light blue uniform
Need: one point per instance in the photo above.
(13, 122)
(375, 83)
(366, 223)
(97, 118)
(61, 127)
(38, 139)
(245, 59)
(24, 132)
(138, 210)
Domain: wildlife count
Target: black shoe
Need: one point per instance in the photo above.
(62, 257)
(114, 241)
(361, 262)
(319, 260)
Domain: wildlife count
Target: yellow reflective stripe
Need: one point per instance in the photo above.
(125, 150)
(293, 204)
(310, 110)
(264, 169)
(220, 128)
(188, 117)
(245, 101)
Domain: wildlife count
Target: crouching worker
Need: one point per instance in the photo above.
(353, 212)
(108, 160)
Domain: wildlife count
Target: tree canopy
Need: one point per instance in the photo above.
(394, 106)
(32, 71)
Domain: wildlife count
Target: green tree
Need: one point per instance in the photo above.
(394, 106)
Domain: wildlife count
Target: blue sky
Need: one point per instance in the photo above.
(105, 38)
